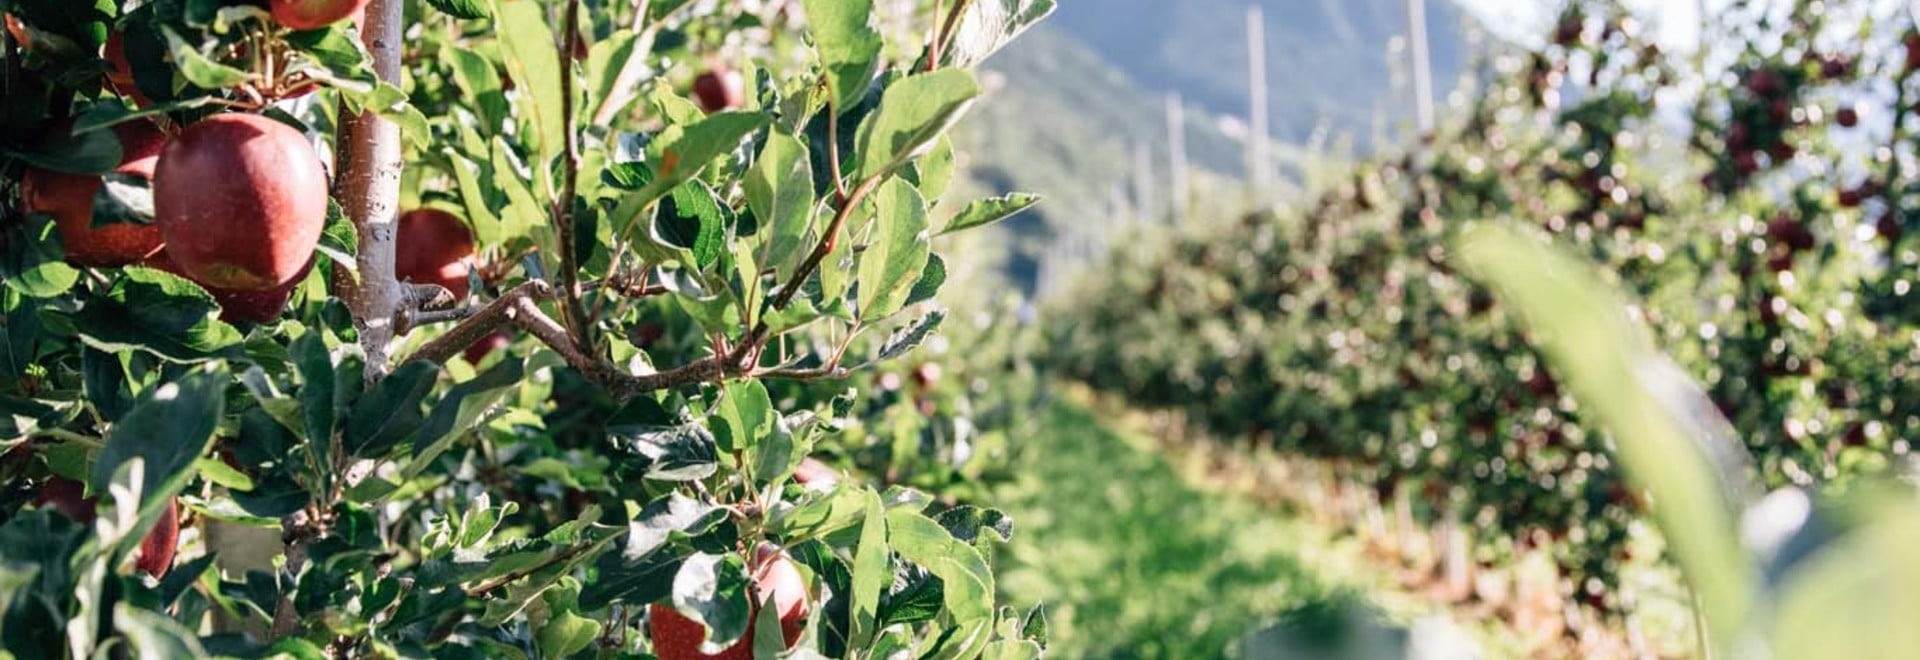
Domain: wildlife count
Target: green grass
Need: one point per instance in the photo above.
(1133, 561)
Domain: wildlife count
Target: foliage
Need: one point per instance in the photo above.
(1768, 269)
(690, 298)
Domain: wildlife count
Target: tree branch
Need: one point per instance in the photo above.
(571, 308)
(368, 189)
(520, 308)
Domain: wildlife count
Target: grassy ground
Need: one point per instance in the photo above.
(1133, 560)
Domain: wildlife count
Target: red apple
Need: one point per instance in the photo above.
(18, 30)
(69, 199)
(315, 14)
(926, 374)
(1847, 117)
(241, 200)
(487, 345)
(155, 555)
(434, 247)
(719, 89)
(813, 471)
(677, 637)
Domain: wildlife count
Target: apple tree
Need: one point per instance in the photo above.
(479, 327)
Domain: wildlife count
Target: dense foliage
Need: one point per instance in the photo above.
(624, 378)
(1770, 239)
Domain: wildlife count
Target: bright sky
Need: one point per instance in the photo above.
(1526, 21)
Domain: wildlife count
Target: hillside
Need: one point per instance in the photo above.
(1071, 105)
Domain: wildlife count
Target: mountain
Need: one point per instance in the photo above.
(1327, 60)
(1072, 105)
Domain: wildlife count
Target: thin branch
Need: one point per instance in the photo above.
(478, 325)
(827, 243)
(504, 580)
(571, 309)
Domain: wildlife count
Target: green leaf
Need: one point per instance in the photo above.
(169, 427)
(848, 45)
(967, 579)
(1646, 404)
(153, 635)
(197, 68)
(679, 154)
(991, 210)
(675, 452)
(713, 590)
(910, 337)
(933, 173)
(670, 518)
(871, 572)
(158, 312)
(930, 282)
(76, 152)
(468, 9)
(35, 264)
(565, 632)
(897, 253)
(390, 412)
(466, 404)
(744, 415)
(528, 47)
(693, 219)
(316, 394)
(990, 25)
(626, 578)
(480, 85)
(780, 192)
(967, 522)
(914, 112)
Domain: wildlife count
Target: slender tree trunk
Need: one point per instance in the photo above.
(367, 185)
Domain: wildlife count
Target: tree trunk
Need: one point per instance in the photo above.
(367, 186)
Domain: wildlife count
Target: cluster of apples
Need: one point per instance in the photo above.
(239, 201)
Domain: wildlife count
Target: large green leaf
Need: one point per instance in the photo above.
(33, 262)
(713, 590)
(967, 579)
(990, 25)
(872, 572)
(532, 57)
(780, 193)
(682, 152)
(897, 254)
(390, 411)
(913, 114)
(744, 415)
(169, 427)
(1656, 417)
(849, 46)
(157, 312)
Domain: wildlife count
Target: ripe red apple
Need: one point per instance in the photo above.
(1847, 117)
(1888, 226)
(926, 374)
(434, 247)
(241, 200)
(18, 30)
(813, 471)
(677, 637)
(69, 199)
(1912, 42)
(720, 88)
(155, 555)
(487, 345)
(315, 14)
